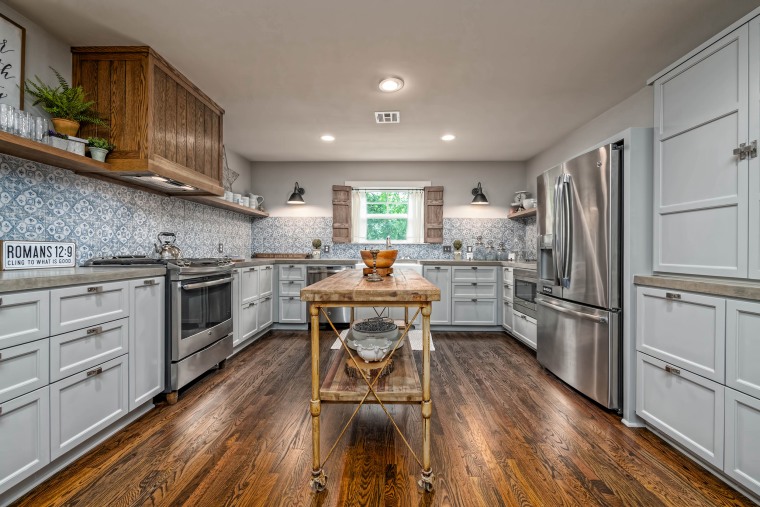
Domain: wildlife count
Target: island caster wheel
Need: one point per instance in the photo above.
(318, 481)
(172, 397)
(222, 364)
(426, 482)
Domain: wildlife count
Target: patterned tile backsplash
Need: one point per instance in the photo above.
(44, 203)
(294, 234)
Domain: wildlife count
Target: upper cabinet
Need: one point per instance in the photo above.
(707, 173)
(162, 124)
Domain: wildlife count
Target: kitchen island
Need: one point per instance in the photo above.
(404, 288)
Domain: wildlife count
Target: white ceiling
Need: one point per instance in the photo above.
(508, 77)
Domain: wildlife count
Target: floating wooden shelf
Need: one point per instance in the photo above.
(38, 152)
(219, 202)
(522, 214)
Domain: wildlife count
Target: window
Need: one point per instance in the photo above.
(396, 212)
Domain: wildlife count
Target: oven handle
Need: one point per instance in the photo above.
(595, 318)
(193, 286)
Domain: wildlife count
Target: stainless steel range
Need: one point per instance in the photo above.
(198, 315)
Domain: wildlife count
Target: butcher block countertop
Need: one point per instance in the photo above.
(405, 285)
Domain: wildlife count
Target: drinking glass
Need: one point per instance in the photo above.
(40, 129)
(7, 118)
(23, 124)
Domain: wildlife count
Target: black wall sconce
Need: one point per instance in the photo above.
(480, 197)
(296, 196)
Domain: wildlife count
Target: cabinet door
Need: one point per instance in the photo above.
(474, 274)
(754, 162)
(24, 437)
(291, 287)
(474, 312)
(248, 321)
(147, 340)
(473, 290)
(80, 350)
(266, 276)
(524, 328)
(265, 307)
(743, 347)
(292, 272)
(684, 329)
(686, 407)
(83, 404)
(508, 291)
(24, 317)
(83, 306)
(249, 284)
(701, 197)
(742, 461)
(440, 276)
(23, 369)
(292, 310)
(507, 315)
(509, 275)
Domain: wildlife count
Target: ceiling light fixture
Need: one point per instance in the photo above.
(448, 137)
(328, 138)
(480, 197)
(295, 197)
(391, 84)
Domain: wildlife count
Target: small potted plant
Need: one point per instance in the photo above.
(457, 244)
(99, 148)
(317, 252)
(68, 106)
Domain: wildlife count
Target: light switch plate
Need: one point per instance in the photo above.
(326, 248)
(446, 248)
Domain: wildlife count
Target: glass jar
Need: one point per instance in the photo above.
(490, 252)
(501, 253)
(479, 253)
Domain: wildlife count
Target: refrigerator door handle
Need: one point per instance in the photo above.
(567, 229)
(558, 240)
(596, 318)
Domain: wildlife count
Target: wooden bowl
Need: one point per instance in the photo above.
(385, 258)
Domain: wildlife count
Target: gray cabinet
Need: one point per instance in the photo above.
(506, 315)
(147, 344)
(524, 328)
(474, 312)
(743, 347)
(265, 312)
(474, 296)
(440, 276)
(292, 310)
(24, 317)
(251, 301)
(73, 308)
(249, 318)
(23, 369)
(79, 350)
(292, 272)
(266, 280)
(291, 279)
(249, 283)
(741, 461)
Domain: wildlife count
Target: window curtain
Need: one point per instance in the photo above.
(359, 216)
(415, 229)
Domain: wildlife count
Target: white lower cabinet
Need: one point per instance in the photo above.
(24, 368)
(742, 457)
(292, 310)
(147, 342)
(265, 312)
(440, 276)
(249, 315)
(474, 312)
(743, 346)
(24, 317)
(507, 316)
(79, 350)
(24, 436)
(686, 407)
(85, 403)
(524, 328)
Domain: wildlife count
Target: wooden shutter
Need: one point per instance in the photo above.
(341, 214)
(433, 214)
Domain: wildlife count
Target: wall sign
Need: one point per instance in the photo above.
(12, 46)
(37, 254)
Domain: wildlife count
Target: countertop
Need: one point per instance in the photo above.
(29, 279)
(718, 287)
(449, 262)
(398, 263)
(405, 286)
(311, 262)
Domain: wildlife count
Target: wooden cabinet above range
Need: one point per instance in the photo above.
(161, 123)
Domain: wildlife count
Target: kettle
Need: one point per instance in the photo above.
(167, 249)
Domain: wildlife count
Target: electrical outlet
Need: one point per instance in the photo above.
(446, 248)
(327, 248)
(220, 248)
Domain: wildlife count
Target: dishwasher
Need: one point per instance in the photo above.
(341, 317)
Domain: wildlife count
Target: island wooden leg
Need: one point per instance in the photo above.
(426, 482)
(318, 478)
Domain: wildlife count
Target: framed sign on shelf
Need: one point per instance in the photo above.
(12, 46)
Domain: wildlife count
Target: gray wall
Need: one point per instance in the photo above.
(500, 180)
(242, 166)
(635, 111)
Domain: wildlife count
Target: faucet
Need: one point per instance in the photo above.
(387, 242)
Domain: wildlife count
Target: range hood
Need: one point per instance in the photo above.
(159, 182)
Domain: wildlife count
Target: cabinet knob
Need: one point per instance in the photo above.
(96, 289)
(672, 295)
(291, 298)
(96, 371)
(670, 369)
(523, 317)
(149, 282)
(291, 283)
(95, 330)
(251, 269)
(292, 266)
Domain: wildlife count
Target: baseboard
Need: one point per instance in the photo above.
(240, 346)
(633, 424)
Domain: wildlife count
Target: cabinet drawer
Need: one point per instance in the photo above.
(23, 369)
(83, 404)
(473, 312)
(743, 347)
(265, 280)
(265, 309)
(474, 274)
(506, 316)
(686, 407)
(473, 290)
(508, 275)
(75, 308)
(79, 350)
(24, 317)
(249, 314)
(291, 287)
(742, 461)
(292, 310)
(684, 329)
(508, 291)
(24, 437)
(292, 272)
(249, 283)
(524, 328)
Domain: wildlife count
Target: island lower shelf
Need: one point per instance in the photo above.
(402, 385)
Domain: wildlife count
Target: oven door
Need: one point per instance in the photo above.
(201, 313)
(525, 292)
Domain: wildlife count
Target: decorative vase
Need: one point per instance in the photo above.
(457, 255)
(316, 253)
(64, 126)
(98, 154)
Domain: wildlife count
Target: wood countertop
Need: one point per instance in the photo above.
(404, 286)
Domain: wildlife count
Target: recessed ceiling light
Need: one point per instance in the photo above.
(448, 137)
(391, 84)
(328, 138)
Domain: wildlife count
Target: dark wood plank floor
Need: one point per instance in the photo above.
(505, 432)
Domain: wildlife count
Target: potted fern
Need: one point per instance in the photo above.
(99, 148)
(67, 106)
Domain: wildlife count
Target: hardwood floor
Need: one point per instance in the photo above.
(505, 432)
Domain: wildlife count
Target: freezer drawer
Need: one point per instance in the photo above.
(581, 345)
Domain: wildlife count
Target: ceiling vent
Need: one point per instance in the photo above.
(387, 117)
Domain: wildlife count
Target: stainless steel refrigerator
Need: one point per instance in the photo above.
(579, 270)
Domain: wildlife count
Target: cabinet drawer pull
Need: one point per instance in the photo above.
(670, 369)
(291, 298)
(96, 371)
(474, 300)
(149, 282)
(267, 267)
(95, 330)
(98, 288)
(1, 410)
(291, 266)
(523, 317)
(672, 295)
(474, 283)
(1, 356)
(291, 283)
(473, 267)
(437, 267)
(267, 298)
